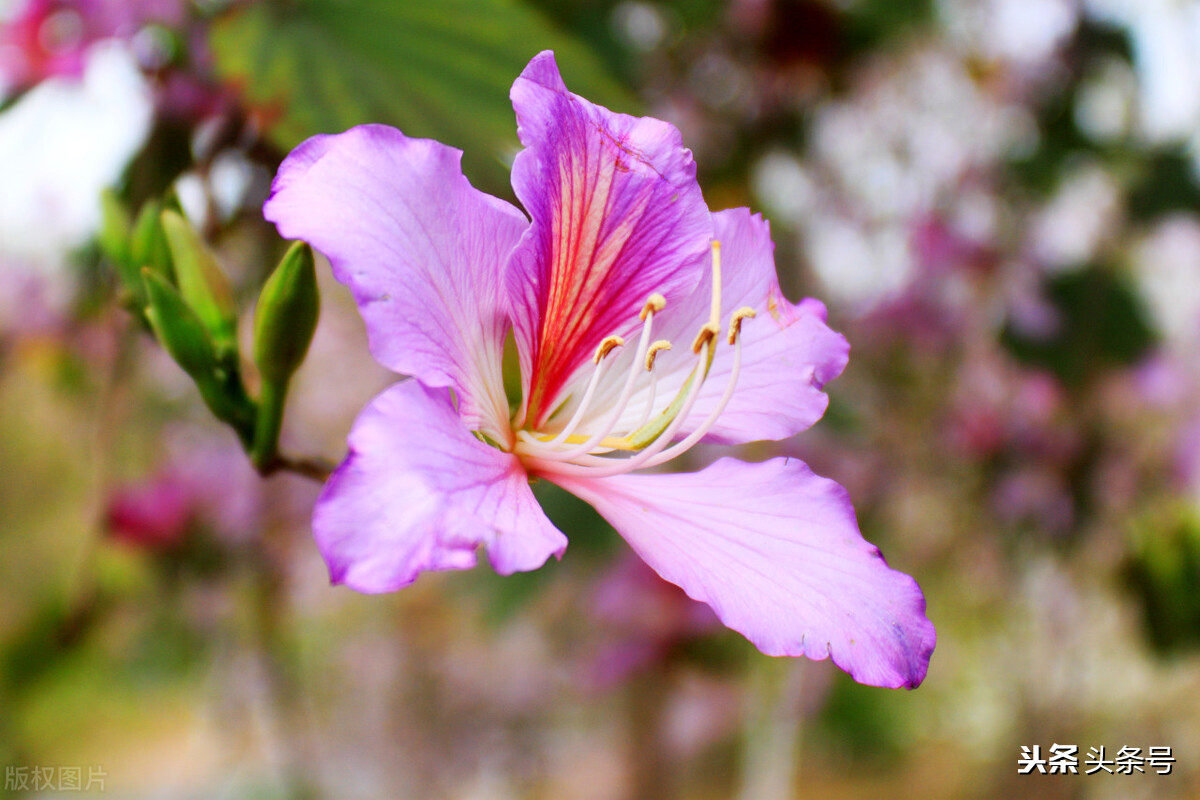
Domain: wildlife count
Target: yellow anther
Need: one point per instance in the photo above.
(661, 344)
(735, 322)
(707, 333)
(606, 347)
(655, 304)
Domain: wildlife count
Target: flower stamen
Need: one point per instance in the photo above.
(654, 304)
(707, 333)
(650, 440)
(606, 346)
(701, 430)
(609, 344)
(735, 322)
(661, 344)
(601, 467)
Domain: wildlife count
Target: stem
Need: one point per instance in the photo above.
(317, 469)
(772, 734)
(651, 774)
(267, 425)
(283, 685)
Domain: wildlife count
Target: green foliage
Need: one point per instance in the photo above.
(864, 724)
(591, 535)
(1167, 185)
(1099, 325)
(1164, 572)
(871, 24)
(440, 71)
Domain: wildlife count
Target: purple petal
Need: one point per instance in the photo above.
(419, 492)
(422, 250)
(775, 550)
(788, 352)
(617, 216)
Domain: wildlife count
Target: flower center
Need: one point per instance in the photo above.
(621, 444)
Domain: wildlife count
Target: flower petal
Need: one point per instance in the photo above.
(788, 352)
(617, 216)
(419, 492)
(422, 250)
(775, 550)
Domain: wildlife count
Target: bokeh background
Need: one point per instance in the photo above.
(998, 199)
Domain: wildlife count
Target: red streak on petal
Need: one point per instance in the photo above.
(587, 245)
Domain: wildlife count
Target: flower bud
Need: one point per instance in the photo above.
(178, 327)
(284, 322)
(184, 336)
(201, 282)
(286, 315)
(148, 245)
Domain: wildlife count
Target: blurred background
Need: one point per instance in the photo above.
(998, 199)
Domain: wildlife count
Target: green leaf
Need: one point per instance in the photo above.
(201, 281)
(441, 70)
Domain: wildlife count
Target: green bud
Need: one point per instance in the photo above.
(284, 321)
(286, 315)
(201, 281)
(115, 227)
(148, 244)
(178, 328)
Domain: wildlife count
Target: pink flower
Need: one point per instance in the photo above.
(638, 336)
(44, 38)
(151, 516)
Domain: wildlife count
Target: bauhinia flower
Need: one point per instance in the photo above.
(643, 324)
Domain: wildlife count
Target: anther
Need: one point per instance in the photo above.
(735, 322)
(708, 332)
(606, 347)
(655, 304)
(661, 344)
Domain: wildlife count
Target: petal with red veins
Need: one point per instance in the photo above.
(617, 217)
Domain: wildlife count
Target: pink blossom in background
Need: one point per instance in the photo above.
(152, 516)
(640, 618)
(45, 38)
(202, 483)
